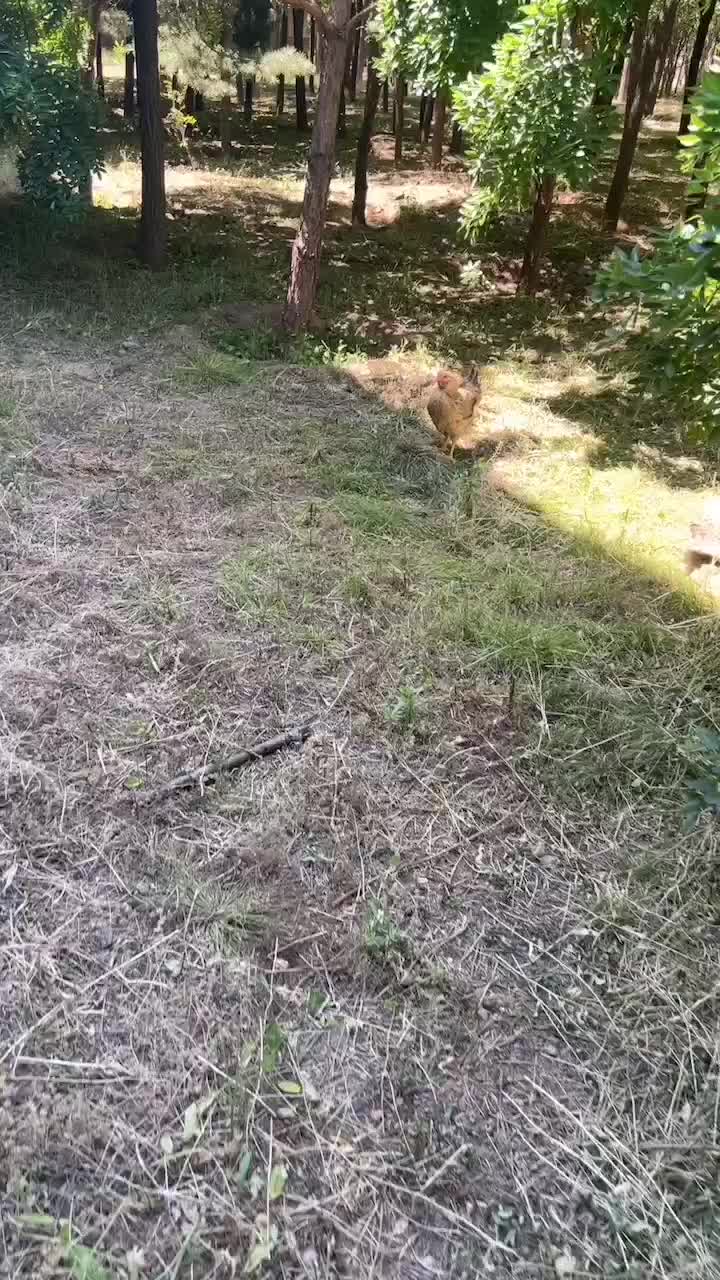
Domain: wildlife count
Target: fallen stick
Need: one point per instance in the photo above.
(225, 764)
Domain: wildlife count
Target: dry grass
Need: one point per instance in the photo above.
(436, 993)
(389, 1004)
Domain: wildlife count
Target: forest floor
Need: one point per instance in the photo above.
(434, 993)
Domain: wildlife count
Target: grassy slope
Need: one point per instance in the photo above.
(450, 970)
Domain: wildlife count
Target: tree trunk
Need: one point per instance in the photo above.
(85, 190)
(307, 249)
(642, 63)
(421, 115)
(662, 37)
(283, 39)
(439, 130)
(99, 76)
(536, 235)
(668, 80)
(399, 117)
(429, 117)
(153, 226)
(386, 97)
(248, 102)
(189, 106)
(372, 99)
(696, 58)
(301, 115)
(226, 124)
(129, 87)
(313, 39)
(354, 66)
(457, 140)
(342, 115)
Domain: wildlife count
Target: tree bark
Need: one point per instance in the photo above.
(153, 225)
(354, 64)
(642, 63)
(313, 40)
(129, 86)
(438, 141)
(399, 117)
(372, 99)
(189, 107)
(535, 242)
(662, 38)
(248, 100)
(307, 249)
(386, 97)
(695, 63)
(283, 39)
(429, 117)
(99, 75)
(301, 115)
(226, 124)
(342, 115)
(457, 140)
(421, 115)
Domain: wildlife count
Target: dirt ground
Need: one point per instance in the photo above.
(342, 1013)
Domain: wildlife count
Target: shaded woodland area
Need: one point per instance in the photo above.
(359, 775)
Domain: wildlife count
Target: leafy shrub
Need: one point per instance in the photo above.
(676, 289)
(526, 115)
(49, 115)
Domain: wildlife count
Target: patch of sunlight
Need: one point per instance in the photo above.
(120, 186)
(624, 511)
(565, 376)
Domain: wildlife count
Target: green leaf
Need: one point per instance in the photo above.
(262, 1250)
(85, 1264)
(290, 1087)
(278, 1181)
(36, 1222)
(273, 1045)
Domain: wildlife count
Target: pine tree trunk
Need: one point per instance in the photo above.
(438, 141)
(386, 97)
(301, 115)
(153, 226)
(313, 40)
(695, 63)
(372, 99)
(642, 63)
(248, 102)
(129, 86)
(307, 249)
(342, 115)
(399, 117)
(535, 242)
(99, 75)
